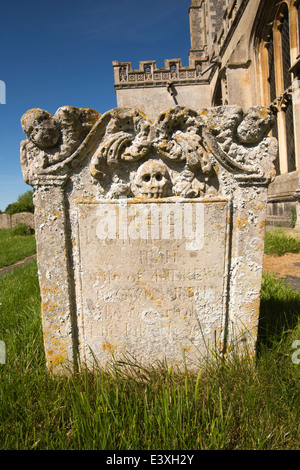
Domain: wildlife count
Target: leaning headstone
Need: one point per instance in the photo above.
(150, 235)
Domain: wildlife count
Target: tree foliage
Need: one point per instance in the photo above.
(23, 204)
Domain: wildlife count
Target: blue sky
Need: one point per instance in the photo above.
(60, 53)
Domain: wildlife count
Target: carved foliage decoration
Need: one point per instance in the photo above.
(183, 153)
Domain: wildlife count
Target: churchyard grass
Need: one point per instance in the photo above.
(14, 248)
(249, 403)
(278, 242)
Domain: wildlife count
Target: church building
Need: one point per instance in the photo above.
(245, 53)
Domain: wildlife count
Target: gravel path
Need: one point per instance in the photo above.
(19, 263)
(286, 267)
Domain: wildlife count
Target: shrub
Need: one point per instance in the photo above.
(23, 204)
(22, 229)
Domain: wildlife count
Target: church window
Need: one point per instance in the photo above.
(276, 41)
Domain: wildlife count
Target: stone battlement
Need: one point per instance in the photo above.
(149, 75)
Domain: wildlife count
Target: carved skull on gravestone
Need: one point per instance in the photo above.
(152, 180)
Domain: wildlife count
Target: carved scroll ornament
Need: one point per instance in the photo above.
(183, 153)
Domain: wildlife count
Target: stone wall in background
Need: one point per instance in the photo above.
(10, 221)
(5, 221)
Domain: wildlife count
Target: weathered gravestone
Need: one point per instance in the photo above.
(150, 235)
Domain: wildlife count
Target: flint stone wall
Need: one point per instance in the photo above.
(150, 234)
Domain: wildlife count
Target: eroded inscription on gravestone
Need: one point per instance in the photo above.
(149, 271)
(150, 234)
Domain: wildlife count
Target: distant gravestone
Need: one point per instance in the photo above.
(150, 235)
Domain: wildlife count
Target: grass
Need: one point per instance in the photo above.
(231, 404)
(279, 242)
(14, 248)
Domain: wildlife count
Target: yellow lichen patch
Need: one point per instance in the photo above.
(51, 290)
(261, 228)
(190, 292)
(86, 200)
(48, 308)
(264, 113)
(241, 223)
(56, 358)
(108, 347)
(101, 275)
(165, 274)
(56, 215)
(253, 310)
(260, 207)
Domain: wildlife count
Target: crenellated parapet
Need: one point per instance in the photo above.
(149, 74)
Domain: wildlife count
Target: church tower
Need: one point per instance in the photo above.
(205, 21)
(153, 90)
(198, 49)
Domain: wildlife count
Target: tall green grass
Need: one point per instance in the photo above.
(279, 242)
(231, 404)
(14, 248)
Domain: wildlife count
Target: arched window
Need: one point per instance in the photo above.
(148, 74)
(298, 25)
(123, 74)
(271, 67)
(287, 82)
(275, 64)
(217, 98)
(173, 70)
(272, 87)
(285, 47)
